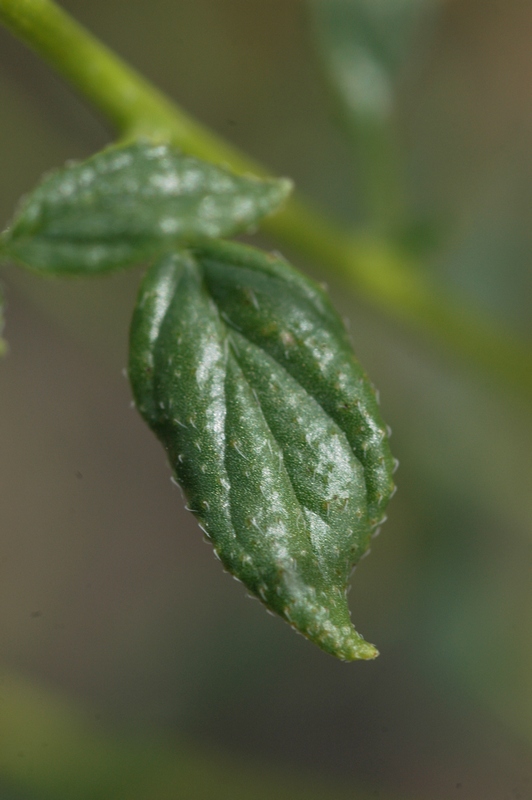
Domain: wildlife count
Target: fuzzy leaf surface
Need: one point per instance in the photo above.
(129, 203)
(244, 371)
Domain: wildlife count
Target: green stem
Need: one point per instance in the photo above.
(381, 275)
(130, 103)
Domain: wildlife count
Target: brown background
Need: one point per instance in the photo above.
(108, 594)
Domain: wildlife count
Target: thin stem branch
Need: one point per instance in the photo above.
(381, 275)
(131, 104)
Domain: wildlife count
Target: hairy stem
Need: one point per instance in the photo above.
(381, 275)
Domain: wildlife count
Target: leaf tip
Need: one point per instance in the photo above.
(280, 190)
(286, 187)
(357, 649)
(328, 625)
(350, 646)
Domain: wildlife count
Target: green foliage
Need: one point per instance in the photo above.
(243, 369)
(364, 45)
(129, 203)
(244, 372)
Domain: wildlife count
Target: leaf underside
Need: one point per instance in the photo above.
(243, 369)
(129, 203)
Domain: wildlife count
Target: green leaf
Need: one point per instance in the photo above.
(129, 203)
(364, 46)
(244, 371)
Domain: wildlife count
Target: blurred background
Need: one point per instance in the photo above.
(131, 666)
